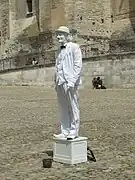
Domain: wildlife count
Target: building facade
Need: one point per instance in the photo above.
(100, 27)
(105, 29)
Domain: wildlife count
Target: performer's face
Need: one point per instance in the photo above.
(62, 37)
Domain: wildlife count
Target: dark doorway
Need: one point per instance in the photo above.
(29, 8)
(29, 4)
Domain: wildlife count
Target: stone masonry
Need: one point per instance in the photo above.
(4, 28)
(103, 28)
(90, 20)
(100, 26)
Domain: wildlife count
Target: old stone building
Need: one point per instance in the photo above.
(22, 27)
(28, 25)
(105, 29)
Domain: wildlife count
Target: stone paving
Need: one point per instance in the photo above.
(28, 119)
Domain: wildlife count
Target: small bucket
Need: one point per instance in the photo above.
(47, 163)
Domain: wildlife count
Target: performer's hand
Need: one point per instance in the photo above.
(70, 85)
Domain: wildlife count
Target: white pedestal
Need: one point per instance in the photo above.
(70, 151)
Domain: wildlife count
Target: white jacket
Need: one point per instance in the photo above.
(71, 64)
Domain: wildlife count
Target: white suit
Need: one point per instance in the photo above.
(67, 79)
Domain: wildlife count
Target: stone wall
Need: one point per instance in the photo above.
(123, 26)
(91, 17)
(27, 34)
(105, 29)
(117, 71)
(92, 21)
(99, 24)
(4, 21)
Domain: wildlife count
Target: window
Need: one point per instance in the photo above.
(29, 7)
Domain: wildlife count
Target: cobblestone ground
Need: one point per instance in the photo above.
(28, 120)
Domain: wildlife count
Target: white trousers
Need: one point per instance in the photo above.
(68, 109)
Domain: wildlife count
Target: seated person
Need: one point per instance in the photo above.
(98, 83)
(34, 62)
(94, 83)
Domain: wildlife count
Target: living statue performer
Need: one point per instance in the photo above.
(67, 81)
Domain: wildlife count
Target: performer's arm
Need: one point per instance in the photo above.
(77, 65)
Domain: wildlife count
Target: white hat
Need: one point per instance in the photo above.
(63, 29)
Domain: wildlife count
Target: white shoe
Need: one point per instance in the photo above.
(59, 136)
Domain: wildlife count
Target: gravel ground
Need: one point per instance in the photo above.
(28, 119)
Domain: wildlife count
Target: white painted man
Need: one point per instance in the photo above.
(67, 81)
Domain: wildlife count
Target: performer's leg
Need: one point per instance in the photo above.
(63, 110)
(74, 112)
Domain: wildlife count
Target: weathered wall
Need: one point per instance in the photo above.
(96, 22)
(92, 20)
(28, 34)
(117, 71)
(101, 27)
(57, 13)
(44, 15)
(90, 17)
(124, 19)
(123, 27)
(4, 21)
(33, 77)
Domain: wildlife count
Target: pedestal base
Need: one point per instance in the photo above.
(70, 151)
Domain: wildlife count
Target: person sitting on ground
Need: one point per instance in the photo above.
(98, 83)
(34, 62)
(94, 83)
